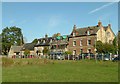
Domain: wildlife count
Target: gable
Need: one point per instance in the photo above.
(110, 30)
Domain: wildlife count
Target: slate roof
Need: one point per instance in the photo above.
(16, 48)
(47, 40)
(61, 42)
(29, 46)
(83, 31)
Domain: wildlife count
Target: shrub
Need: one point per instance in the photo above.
(7, 61)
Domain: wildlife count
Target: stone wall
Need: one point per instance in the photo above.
(101, 35)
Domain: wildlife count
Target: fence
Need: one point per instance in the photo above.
(69, 57)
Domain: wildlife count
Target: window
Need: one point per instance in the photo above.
(50, 40)
(108, 34)
(80, 42)
(38, 42)
(43, 41)
(88, 32)
(73, 33)
(81, 50)
(74, 43)
(89, 42)
(74, 52)
(89, 50)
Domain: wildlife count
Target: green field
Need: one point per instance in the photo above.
(40, 70)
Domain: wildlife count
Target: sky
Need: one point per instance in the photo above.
(39, 18)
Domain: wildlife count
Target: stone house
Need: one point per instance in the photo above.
(83, 40)
(59, 44)
(28, 46)
(55, 44)
(42, 43)
(14, 50)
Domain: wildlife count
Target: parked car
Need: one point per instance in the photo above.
(57, 55)
(60, 57)
(115, 59)
(87, 55)
(106, 59)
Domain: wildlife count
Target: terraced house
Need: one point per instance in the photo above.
(54, 44)
(83, 40)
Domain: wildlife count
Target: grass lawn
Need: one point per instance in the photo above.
(39, 70)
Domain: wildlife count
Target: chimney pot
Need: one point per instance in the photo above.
(99, 23)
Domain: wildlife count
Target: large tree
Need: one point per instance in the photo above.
(99, 46)
(0, 44)
(119, 41)
(11, 36)
(105, 47)
(109, 48)
(115, 44)
(35, 40)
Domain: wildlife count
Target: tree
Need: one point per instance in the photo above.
(11, 36)
(68, 52)
(55, 35)
(0, 44)
(27, 52)
(115, 41)
(45, 50)
(35, 41)
(104, 47)
(119, 42)
(108, 48)
(99, 47)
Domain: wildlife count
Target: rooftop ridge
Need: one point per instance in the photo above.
(86, 27)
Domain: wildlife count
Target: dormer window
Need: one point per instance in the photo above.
(38, 42)
(43, 41)
(88, 32)
(73, 33)
(50, 40)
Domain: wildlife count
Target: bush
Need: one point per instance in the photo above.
(7, 61)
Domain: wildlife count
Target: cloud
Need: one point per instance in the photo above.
(100, 8)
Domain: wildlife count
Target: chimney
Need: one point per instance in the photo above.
(109, 25)
(46, 36)
(74, 27)
(99, 23)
